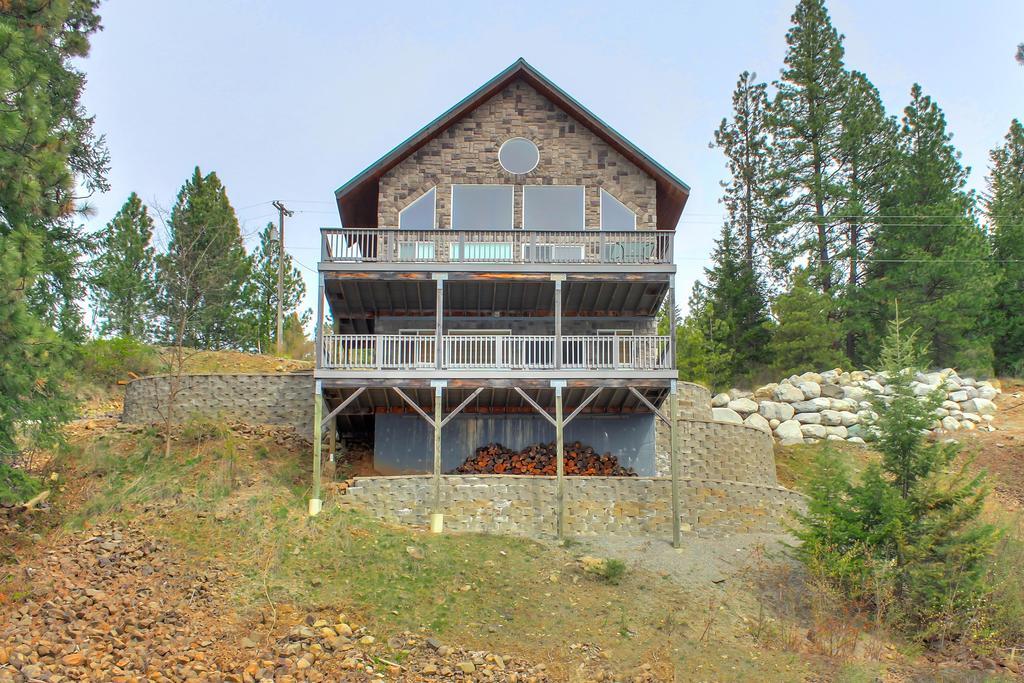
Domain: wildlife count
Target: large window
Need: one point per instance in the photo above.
(420, 214)
(615, 215)
(482, 207)
(553, 207)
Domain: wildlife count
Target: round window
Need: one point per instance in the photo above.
(518, 156)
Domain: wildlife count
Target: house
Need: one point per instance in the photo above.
(498, 279)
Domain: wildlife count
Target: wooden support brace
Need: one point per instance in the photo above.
(643, 399)
(342, 406)
(536, 407)
(581, 406)
(461, 406)
(423, 413)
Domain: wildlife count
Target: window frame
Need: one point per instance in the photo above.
(583, 196)
(604, 192)
(410, 204)
(512, 213)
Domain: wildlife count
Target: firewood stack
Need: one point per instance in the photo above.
(541, 459)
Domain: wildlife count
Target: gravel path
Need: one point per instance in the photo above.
(700, 562)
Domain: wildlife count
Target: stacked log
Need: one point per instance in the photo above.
(542, 459)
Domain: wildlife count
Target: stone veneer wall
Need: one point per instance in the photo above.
(467, 152)
(284, 399)
(525, 505)
(694, 401)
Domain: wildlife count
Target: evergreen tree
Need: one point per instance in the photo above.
(47, 149)
(930, 252)
(908, 530)
(123, 273)
(751, 193)
(261, 292)
(1004, 208)
(736, 297)
(804, 336)
(867, 145)
(202, 276)
(807, 124)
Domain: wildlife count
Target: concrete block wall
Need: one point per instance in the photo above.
(281, 399)
(594, 505)
(467, 152)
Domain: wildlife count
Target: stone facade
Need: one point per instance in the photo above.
(594, 505)
(467, 152)
(282, 399)
(694, 401)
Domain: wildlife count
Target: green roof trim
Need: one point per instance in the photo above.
(519, 64)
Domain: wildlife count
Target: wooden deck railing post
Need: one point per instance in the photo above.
(439, 319)
(558, 319)
(560, 460)
(315, 502)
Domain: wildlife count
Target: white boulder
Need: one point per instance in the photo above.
(831, 417)
(720, 400)
(808, 418)
(987, 391)
(981, 406)
(789, 433)
(757, 422)
(950, 424)
(837, 430)
(873, 386)
(849, 418)
(773, 410)
(958, 396)
(726, 415)
(810, 389)
(813, 431)
(813, 406)
(788, 393)
(743, 406)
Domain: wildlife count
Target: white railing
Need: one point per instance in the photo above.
(493, 351)
(388, 245)
(377, 351)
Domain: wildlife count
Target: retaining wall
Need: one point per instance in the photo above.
(525, 505)
(282, 399)
(719, 450)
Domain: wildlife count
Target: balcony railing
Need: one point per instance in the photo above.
(495, 352)
(388, 245)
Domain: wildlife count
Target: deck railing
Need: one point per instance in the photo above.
(389, 245)
(494, 351)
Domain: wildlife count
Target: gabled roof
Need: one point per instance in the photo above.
(357, 199)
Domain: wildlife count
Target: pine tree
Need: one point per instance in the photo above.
(261, 292)
(930, 252)
(751, 193)
(47, 148)
(908, 530)
(867, 145)
(1004, 208)
(123, 273)
(805, 337)
(202, 276)
(737, 298)
(807, 124)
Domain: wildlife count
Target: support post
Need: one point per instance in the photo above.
(319, 351)
(558, 319)
(332, 438)
(672, 322)
(439, 319)
(673, 449)
(436, 517)
(315, 502)
(560, 462)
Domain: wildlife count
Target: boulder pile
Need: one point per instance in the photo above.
(836, 404)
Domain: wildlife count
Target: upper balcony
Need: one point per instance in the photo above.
(573, 248)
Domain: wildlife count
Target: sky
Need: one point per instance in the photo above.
(289, 100)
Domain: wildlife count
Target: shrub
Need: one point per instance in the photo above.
(105, 361)
(905, 541)
(16, 486)
(612, 571)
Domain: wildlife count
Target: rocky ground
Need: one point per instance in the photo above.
(113, 604)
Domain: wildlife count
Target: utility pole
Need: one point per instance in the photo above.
(281, 213)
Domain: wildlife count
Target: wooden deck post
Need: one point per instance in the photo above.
(560, 462)
(439, 319)
(673, 450)
(332, 438)
(558, 319)
(436, 516)
(315, 502)
(319, 329)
